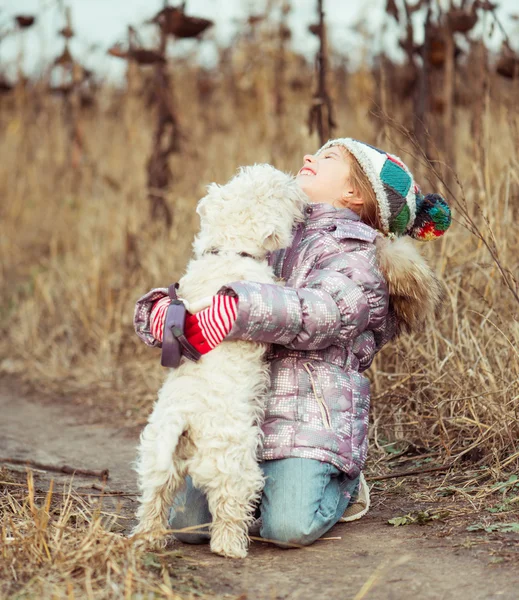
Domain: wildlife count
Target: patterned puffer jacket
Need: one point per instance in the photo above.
(347, 292)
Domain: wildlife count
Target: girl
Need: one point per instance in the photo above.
(353, 281)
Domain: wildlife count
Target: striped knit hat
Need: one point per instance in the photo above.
(403, 207)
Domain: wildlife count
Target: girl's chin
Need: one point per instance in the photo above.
(307, 189)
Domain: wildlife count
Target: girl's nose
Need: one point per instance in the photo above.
(308, 158)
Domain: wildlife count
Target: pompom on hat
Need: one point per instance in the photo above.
(404, 210)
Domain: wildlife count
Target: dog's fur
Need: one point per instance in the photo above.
(206, 420)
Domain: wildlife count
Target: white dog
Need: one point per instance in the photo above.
(206, 420)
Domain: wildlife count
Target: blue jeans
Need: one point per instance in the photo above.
(302, 499)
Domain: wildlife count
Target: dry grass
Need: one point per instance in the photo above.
(62, 545)
(457, 386)
(77, 248)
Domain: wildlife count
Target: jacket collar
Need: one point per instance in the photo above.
(321, 215)
(340, 222)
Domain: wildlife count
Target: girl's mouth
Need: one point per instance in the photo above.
(306, 171)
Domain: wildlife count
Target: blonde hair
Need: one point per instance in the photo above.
(369, 211)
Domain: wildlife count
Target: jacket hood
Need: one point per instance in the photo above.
(415, 291)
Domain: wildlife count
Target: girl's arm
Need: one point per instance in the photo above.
(343, 297)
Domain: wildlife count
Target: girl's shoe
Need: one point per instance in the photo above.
(360, 506)
(254, 529)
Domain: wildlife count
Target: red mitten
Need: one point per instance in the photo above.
(204, 330)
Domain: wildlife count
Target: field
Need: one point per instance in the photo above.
(80, 241)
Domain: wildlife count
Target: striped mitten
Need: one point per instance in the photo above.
(158, 316)
(204, 330)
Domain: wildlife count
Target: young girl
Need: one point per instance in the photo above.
(353, 280)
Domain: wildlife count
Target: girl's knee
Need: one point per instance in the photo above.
(288, 531)
(192, 538)
(179, 520)
(190, 511)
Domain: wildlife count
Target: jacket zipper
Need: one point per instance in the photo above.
(325, 412)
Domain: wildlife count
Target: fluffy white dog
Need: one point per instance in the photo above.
(206, 420)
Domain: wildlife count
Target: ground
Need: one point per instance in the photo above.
(366, 559)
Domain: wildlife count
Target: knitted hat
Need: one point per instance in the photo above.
(403, 207)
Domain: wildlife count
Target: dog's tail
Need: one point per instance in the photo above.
(159, 474)
(159, 441)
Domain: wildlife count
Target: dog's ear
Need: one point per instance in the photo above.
(272, 240)
(213, 195)
(201, 208)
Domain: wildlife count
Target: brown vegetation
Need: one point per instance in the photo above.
(80, 241)
(78, 245)
(64, 544)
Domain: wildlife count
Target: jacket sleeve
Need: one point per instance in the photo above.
(142, 315)
(344, 296)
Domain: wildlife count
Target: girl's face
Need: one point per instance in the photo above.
(325, 178)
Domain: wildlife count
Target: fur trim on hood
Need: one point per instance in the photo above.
(415, 291)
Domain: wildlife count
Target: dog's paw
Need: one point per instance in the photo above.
(238, 550)
(153, 539)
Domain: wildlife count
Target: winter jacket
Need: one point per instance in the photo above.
(347, 292)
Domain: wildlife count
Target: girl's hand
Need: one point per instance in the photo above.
(204, 330)
(142, 315)
(158, 316)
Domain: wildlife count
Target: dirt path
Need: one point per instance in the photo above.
(400, 563)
